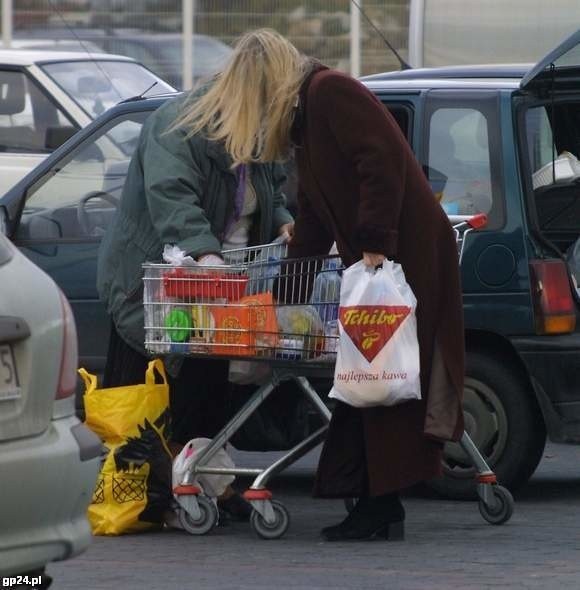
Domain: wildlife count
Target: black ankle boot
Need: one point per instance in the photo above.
(377, 517)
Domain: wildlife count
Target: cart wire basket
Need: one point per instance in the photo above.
(257, 306)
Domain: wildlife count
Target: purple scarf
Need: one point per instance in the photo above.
(241, 175)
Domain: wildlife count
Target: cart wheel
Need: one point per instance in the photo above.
(206, 521)
(504, 508)
(271, 530)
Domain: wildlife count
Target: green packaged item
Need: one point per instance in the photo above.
(178, 323)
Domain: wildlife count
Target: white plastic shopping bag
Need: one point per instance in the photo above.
(378, 352)
(213, 485)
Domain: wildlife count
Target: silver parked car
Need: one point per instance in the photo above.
(48, 459)
(161, 52)
(46, 96)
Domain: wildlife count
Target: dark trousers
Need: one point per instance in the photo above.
(198, 397)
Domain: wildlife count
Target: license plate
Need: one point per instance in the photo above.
(9, 386)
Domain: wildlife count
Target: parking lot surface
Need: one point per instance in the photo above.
(448, 545)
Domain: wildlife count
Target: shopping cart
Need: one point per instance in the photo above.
(261, 306)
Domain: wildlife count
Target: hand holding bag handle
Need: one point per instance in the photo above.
(378, 361)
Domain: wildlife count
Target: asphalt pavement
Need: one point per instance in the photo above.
(448, 545)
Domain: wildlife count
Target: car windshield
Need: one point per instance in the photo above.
(98, 85)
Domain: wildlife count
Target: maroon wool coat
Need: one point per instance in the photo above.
(361, 186)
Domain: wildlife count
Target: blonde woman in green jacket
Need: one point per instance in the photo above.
(205, 176)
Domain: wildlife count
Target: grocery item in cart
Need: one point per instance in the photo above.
(326, 291)
(301, 331)
(203, 323)
(235, 333)
(178, 323)
(264, 320)
(331, 336)
(201, 283)
(262, 275)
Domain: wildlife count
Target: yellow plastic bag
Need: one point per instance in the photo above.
(134, 486)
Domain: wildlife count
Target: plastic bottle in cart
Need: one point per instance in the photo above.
(326, 292)
(262, 276)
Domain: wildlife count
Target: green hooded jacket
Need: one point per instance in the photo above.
(178, 191)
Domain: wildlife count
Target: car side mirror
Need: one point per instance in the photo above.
(37, 228)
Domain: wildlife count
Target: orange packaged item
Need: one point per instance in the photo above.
(264, 320)
(234, 331)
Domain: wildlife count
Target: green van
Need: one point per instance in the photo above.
(505, 141)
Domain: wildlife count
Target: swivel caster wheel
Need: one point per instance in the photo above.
(502, 510)
(271, 530)
(207, 519)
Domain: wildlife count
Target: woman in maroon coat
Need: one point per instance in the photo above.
(361, 186)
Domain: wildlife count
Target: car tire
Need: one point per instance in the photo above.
(503, 419)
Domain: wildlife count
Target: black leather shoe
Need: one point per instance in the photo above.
(378, 517)
(393, 531)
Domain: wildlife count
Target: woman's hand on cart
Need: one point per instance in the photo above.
(210, 260)
(373, 259)
(287, 232)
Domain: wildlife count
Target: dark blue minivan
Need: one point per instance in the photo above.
(499, 140)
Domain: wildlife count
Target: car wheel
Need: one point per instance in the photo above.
(504, 421)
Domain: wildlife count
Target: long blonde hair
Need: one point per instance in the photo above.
(250, 105)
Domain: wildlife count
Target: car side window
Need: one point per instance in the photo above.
(403, 117)
(459, 160)
(540, 140)
(78, 198)
(552, 135)
(29, 121)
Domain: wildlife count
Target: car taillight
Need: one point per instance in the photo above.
(67, 380)
(554, 309)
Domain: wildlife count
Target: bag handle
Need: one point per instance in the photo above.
(155, 365)
(89, 379)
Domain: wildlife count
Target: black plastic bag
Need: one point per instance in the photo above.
(283, 420)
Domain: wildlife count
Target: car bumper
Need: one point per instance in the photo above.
(47, 485)
(553, 363)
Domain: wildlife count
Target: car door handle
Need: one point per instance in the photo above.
(13, 329)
